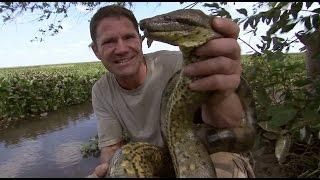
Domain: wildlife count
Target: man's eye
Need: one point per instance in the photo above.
(107, 42)
(129, 37)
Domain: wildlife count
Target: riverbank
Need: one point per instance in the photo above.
(36, 91)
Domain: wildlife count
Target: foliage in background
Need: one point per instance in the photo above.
(288, 113)
(281, 18)
(31, 91)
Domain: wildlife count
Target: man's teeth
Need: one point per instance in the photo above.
(123, 61)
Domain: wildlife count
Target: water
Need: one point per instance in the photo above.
(49, 146)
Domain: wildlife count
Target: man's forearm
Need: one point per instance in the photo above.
(223, 112)
(108, 152)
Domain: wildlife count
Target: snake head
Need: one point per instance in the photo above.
(183, 28)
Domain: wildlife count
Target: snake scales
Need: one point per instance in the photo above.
(188, 147)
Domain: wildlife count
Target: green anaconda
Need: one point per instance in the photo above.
(187, 150)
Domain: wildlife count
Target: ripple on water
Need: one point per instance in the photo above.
(24, 159)
(67, 154)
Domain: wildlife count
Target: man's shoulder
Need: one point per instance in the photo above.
(163, 53)
(101, 83)
(165, 57)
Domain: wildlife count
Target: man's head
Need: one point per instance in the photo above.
(110, 11)
(116, 41)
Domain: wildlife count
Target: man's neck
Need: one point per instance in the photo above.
(133, 82)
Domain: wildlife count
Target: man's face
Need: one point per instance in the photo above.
(119, 46)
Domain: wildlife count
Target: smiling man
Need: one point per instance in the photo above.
(127, 98)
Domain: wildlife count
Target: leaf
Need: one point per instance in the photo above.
(281, 115)
(274, 28)
(311, 116)
(262, 97)
(305, 134)
(297, 125)
(245, 25)
(307, 23)
(256, 21)
(212, 5)
(242, 11)
(265, 125)
(316, 56)
(251, 21)
(265, 38)
(287, 49)
(263, 19)
(317, 126)
(270, 136)
(223, 13)
(302, 82)
(288, 28)
(284, 20)
(316, 21)
(308, 4)
(296, 7)
(268, 21)
(295, 15)
(316, 10)
(282, 148)
(276, 14)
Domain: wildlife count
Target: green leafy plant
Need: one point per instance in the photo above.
(34, 91)
(92, 149)
(287, 110)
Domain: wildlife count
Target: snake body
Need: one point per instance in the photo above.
(187, 150)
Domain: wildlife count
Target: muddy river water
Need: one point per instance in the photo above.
(49, 146)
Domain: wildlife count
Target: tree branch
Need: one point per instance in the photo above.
(191, 5)
(249, 46)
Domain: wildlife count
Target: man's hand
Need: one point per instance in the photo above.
(106, 153)
(101, 170)
(219, 73)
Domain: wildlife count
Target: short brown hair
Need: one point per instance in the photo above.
(110, 11)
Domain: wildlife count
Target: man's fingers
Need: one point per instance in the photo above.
(227, 47)
(217, 65)
(218, 82)
(101, 170)
(226, 27)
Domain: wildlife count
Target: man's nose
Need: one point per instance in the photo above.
(121, 47)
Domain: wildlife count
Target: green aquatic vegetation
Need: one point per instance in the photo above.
(35, 91)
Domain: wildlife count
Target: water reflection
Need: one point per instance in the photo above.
(49, 146)
(21, 156)
(70, 150)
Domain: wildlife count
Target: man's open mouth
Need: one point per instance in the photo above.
(122, 61)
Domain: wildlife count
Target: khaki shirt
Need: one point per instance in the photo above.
(137, 111)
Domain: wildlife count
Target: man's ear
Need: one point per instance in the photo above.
(95, 50)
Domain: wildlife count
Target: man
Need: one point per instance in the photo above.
(127, 98)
